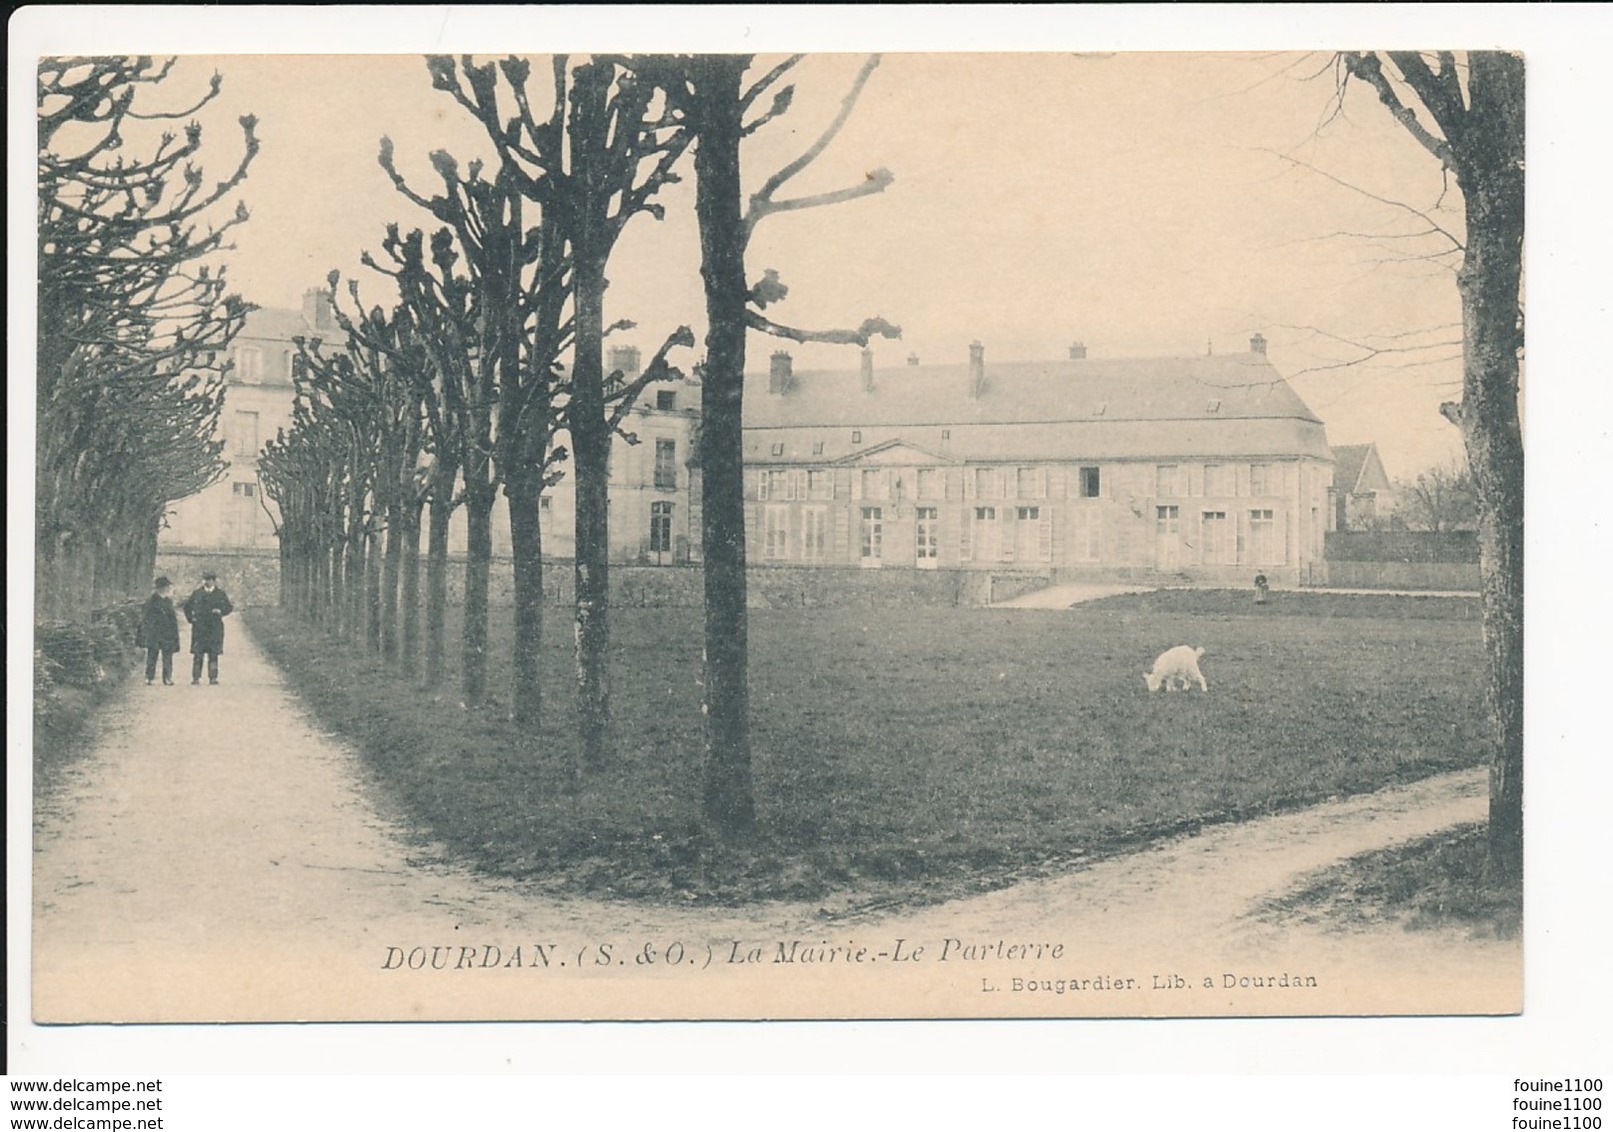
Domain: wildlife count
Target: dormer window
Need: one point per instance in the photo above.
(1213, 406)
(778, 449)
(856, 437)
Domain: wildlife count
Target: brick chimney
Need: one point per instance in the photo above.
(1078, 350)
(625, 359)
(868, 370)
(1257, 343)
(779, 376)
(977, 368)
(316, 309)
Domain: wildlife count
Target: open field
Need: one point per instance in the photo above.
(915, 754)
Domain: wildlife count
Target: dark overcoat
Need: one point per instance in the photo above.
(159, 625)
(205, 612)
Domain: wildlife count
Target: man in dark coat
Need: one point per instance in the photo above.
(159, 631)
(206, 609)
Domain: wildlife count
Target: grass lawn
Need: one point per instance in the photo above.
(912, 754)
(1434, 884)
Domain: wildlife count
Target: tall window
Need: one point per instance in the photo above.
(876, 483)
(815, 534)
(1033, 536)
(1089, 483)
(821, 484)
(1260, 479)
(986, 481)
(1028, 483)
(1263, 538)
(1219, 538)
(249, 365)
(776, 533)
(666, 398)
(872, 546)
(1086, 533)
(982, 536)
(931, 485)
(927, 541)
(666, 463)
(1167, 481)
(1218, 480)
(245, 427)
(660, 528)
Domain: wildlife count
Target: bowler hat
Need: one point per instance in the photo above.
(162, 580)
(209, 576)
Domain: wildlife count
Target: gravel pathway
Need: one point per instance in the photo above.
(251, 875)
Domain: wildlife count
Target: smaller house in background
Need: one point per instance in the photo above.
(1361, 492)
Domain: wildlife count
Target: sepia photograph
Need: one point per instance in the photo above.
(533, 534)
(782, 536)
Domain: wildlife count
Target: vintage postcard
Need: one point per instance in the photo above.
(826, 536)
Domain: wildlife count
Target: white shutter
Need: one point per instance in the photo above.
(1044, 536)
(1007, 534)
(966, 550)
(968, 483)
(856, 483)
(761, 484)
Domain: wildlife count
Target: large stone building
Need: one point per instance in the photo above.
(654, 493)
(1200, 469)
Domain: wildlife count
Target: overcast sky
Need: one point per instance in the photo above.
(1141, 203)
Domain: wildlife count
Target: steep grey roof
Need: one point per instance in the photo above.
(1348, 462)
(1216, 405)
(275, 324)
(1135, 389)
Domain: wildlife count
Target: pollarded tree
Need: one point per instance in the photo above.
(1469, 115)
(133, 324)
(714, 103)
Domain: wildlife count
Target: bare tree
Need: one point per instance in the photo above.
(715, 104)
(1439, 499)
(1469, 115)
(133, 323)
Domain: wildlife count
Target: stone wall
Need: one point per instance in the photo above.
(250, 577)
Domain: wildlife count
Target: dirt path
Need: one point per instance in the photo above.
(219, 857)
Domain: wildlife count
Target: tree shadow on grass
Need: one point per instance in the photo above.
(1435, 884)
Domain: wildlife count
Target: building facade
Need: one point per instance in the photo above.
(1193, 469)
(654, 491)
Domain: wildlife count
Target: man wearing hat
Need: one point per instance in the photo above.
(206, 609)
(159, 631)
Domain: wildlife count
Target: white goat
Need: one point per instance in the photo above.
(1176, 668)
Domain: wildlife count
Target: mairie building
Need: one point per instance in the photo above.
(1194, 469)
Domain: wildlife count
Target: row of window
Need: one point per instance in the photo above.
(1084, 482)
(989, 533)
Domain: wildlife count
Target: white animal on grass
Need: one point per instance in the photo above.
(1176, 668)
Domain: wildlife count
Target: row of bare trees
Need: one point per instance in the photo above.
(133, 323)
(463, 390)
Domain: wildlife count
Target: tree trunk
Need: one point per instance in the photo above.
(390, 577)
(729, 802)
(409, 571)
(442, 513)
(1489, 281)
(478, 565)
(372, 590)
(590, 454)
(526, 544)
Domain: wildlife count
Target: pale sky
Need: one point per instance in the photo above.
(1135, 202)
